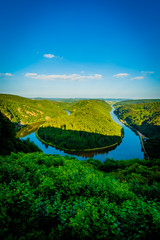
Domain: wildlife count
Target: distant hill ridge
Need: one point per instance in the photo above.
(25, 111)
(125, 102)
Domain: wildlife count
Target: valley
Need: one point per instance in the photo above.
(143, 117)
(53, 195)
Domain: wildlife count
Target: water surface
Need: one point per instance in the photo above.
(129, 148)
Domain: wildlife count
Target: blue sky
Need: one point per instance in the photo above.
(92, 49)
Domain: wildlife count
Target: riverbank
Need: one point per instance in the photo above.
(79, 150)
(28, 129)
(142, 144)
(141, 136)
(129, 148)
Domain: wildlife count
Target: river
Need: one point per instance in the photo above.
(129, 148)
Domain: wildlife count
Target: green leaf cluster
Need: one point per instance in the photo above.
(143, 176)
(52, 197)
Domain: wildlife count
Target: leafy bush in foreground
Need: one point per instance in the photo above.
(53, 197)
(143, 176)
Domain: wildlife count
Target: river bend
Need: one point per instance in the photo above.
(129, 148)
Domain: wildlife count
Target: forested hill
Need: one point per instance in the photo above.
(126, 102)
(88, 126)
(141, 113)
(8, 141)
(145, 117)
(88, 115)
(25, 111)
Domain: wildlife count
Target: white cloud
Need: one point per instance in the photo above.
(120, 75)
(147, 72)
(72, 77)
(49, 55)
(8, 74)
(31, 74)
(137, 78)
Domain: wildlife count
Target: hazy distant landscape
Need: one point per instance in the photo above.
(80, 120)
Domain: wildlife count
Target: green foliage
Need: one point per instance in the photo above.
(153, 145)
(143, 176)
(142, 113)
(144, 117)
(53, 197)
(28, 129)
(23, 110)
(76, 140)
(90, 121)
(9, 143)
(90, 116)
(88, 126)
(126, 102)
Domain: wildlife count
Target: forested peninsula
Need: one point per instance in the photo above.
(89, 126)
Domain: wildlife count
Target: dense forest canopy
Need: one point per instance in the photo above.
(52, 197)
(144, 117)
(88, 126)
(8, 141)
(88, 115)
(25, 111)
